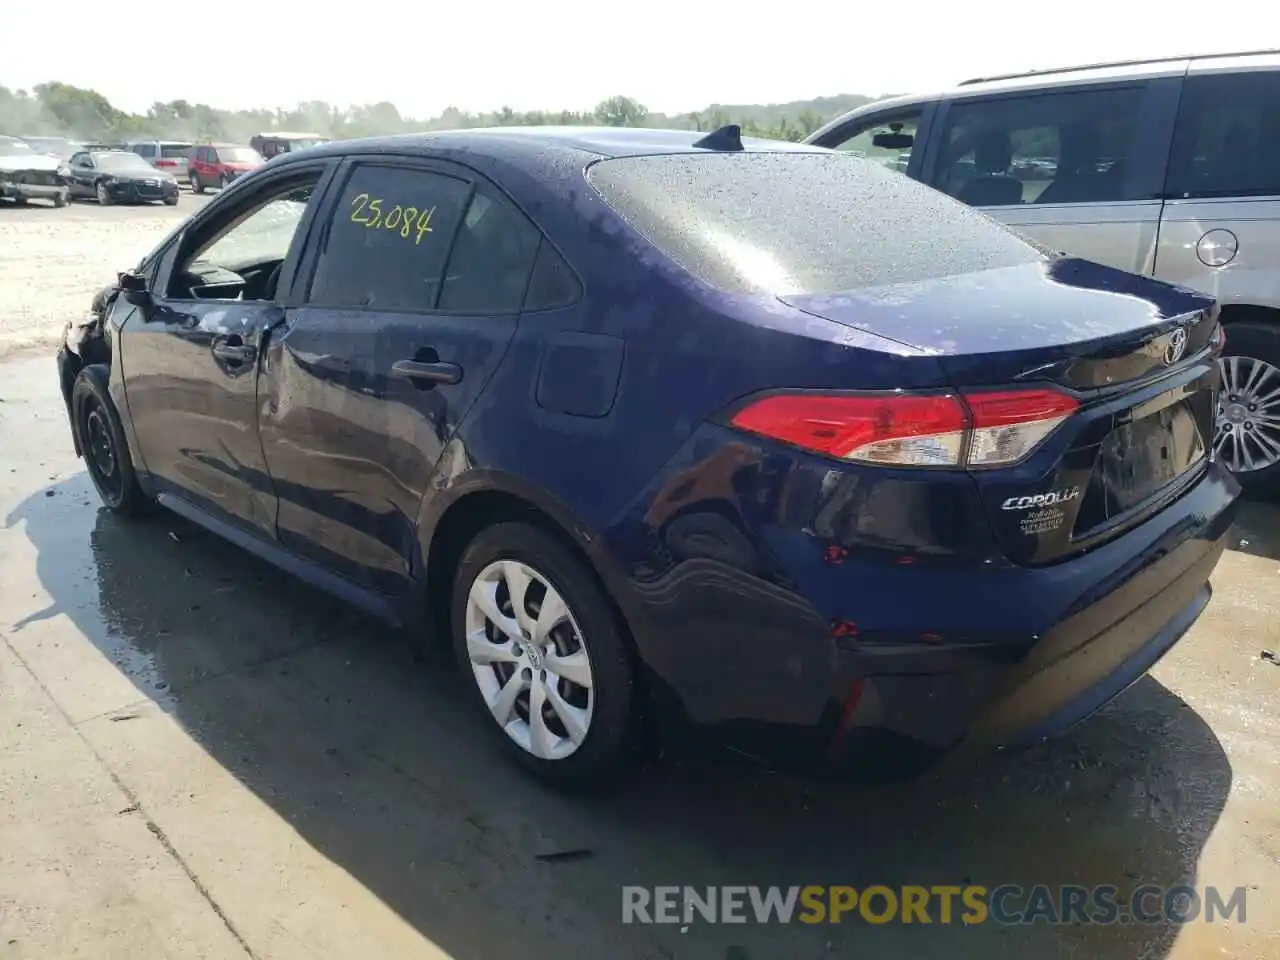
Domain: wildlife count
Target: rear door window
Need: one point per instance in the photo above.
(147, 150)
(175, 151)
(1069, 147)
(1227, 141)
(800, 222)
(388, 240)
(491, 259)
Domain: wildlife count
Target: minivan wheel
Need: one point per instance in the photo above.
(196, 185)
(539, 644)
(106, 453)
(1248, 425)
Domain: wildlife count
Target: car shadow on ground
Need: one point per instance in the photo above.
(370, 752)
(1257, 529)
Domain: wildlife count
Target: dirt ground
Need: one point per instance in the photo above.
(200, 757)
(49, 258)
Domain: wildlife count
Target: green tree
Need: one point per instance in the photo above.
(620, 112)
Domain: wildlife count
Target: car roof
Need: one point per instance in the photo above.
(283, 135)
(1073, 75)
(512, 143)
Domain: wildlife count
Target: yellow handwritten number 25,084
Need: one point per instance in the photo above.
(409, 221)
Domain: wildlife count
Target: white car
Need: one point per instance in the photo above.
(1161, 167)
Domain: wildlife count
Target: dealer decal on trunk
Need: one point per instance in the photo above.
(1044, 513)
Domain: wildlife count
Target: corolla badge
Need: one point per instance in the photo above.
(1050, 499)
(1176, 346)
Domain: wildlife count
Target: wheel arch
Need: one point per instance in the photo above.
(1240, 312)
(484, 498)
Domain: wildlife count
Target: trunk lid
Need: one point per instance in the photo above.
(1138, 355)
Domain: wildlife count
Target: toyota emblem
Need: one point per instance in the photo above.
(1176, 347)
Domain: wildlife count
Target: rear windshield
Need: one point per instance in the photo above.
(175, 151)
(800, 223)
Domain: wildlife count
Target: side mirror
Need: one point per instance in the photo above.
(134, 287)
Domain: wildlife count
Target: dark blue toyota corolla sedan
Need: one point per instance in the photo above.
(730, 436)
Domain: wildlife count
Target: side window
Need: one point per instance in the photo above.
(1042, 148)
(147, 150)
(386, 246)
(1227, 140)
(489, 265)
(553, 283)
(82, 160)
(889, 141)
(235, 257)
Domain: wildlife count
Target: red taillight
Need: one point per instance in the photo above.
(979, 429)
(893, 428)
(166, 163)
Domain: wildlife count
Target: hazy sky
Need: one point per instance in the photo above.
(672, 55)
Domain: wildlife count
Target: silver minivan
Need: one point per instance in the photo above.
(1162, 167)
(167, 155)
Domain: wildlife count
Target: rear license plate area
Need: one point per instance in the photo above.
(1139, 459)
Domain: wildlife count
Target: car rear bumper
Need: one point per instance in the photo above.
(789, 655)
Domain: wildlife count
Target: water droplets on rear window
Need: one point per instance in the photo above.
(801, 223)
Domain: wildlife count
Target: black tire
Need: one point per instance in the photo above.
(611, 740)
(102, 440)
(100, 191)
(1258, 340)
(223, 182)
(61, 198)
(171, 202)
(196, 185)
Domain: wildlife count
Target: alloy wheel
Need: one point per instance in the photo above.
(1248, 427)
(529, 659)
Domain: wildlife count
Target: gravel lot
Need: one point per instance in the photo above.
(200, 757)
(52, 261)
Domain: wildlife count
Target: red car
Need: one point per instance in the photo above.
(217, 164)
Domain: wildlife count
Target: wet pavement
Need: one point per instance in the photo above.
(200, 757)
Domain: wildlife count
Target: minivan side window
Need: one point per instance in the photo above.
(1070, 147)
(144, 149)
(896, 136)
(388, 239)
(1227, 140)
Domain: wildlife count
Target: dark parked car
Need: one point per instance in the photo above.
(275, 143)
(120, 176)
(734, 436)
